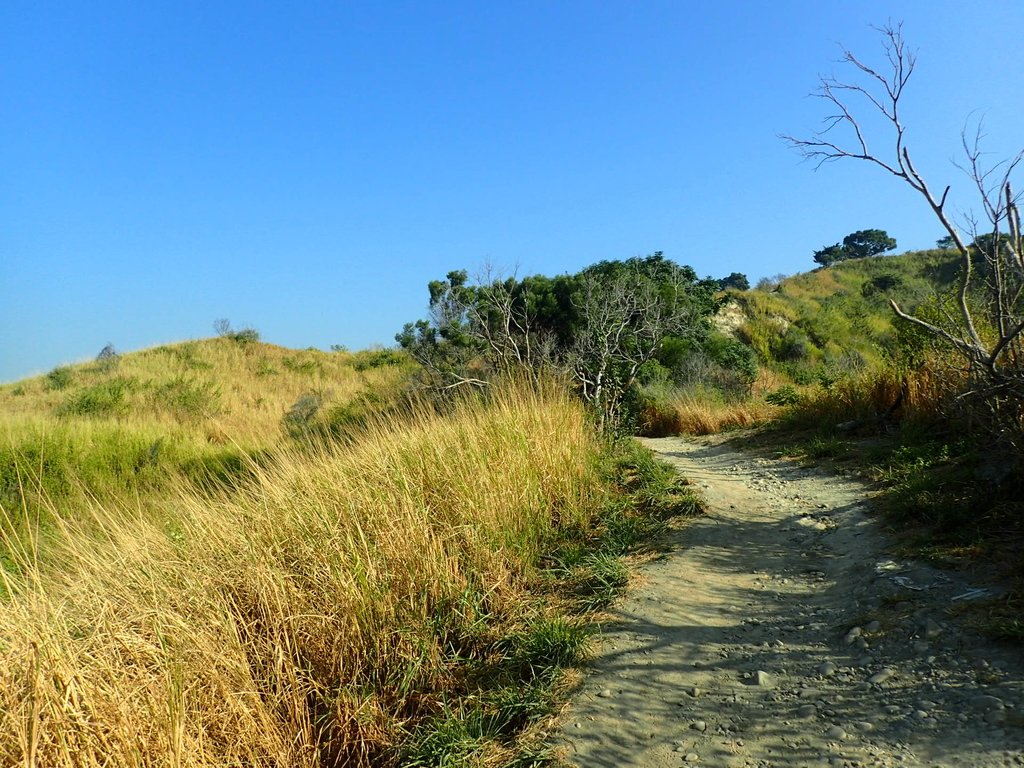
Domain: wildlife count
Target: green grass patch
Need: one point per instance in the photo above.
(107, 398)
(511, 682)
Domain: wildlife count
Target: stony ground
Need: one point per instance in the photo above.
(777, 631)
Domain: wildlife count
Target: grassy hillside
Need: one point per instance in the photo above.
(128, 424)
(404, 595)
(212, 391)
(815, 336)
(837, 319)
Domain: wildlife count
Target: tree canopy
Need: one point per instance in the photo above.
(856, 245)
(599, 326)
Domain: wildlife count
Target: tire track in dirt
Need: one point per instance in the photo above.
(778, 632)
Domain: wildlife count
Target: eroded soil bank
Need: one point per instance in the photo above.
(778, 631)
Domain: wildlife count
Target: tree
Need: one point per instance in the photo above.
(856, 245)
(867, 242)
(599, 327)
(830, 254)
(986, 324)
(945, 243)
(736, 280)
(625, 311)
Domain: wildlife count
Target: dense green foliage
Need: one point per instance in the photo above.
(856, 245)
(838, 320)
(600, 327)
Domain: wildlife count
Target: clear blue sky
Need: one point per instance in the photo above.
(306, 167)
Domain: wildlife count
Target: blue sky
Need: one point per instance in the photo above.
(305, 168)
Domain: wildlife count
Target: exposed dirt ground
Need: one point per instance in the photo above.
(778, 631)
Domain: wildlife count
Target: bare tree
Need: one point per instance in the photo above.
(624, 318)
(986, 324)
(476, 331)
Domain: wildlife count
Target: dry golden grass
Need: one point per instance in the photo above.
(916, 396)
(299, 621)
(703, 413)
(214, 390)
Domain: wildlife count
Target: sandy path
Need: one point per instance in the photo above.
(777, 632)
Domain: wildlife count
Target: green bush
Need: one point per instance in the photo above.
(786, 395)
(298, 365)
(60, 378)
(792, 345)
(245, 336)
(733, 356)
(378, 358)
(300, 420)
(108, 359)
(188, 398)
(104, 399)
(264, 368)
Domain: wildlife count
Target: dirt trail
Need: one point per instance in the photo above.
(779, 632)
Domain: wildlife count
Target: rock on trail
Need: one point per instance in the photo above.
(778, 632)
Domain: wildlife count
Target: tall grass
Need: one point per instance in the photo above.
(702, 412)
(311, 618)
(915, 398)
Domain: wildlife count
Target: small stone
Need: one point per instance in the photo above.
(827, 668)
(995, 717)
(872, 626)
(699, 725)
(987, 703)
(606, 693)
(694, 691)
(691, 757)
(836, 733)
(920, 714)
(921, 646)
(880, 676)
(864, 726)
(807, 710)
(861, 643)
(932, 629)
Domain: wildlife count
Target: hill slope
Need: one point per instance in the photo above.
(838, 318)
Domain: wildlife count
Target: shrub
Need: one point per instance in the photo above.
(297, 365)
(378, 358)
(785, 395)
(300, 419)
(880, 284)
(188, 398)
(103, 399)
(245, 336)
(264, 368)
(792, 345)
(60, 378)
